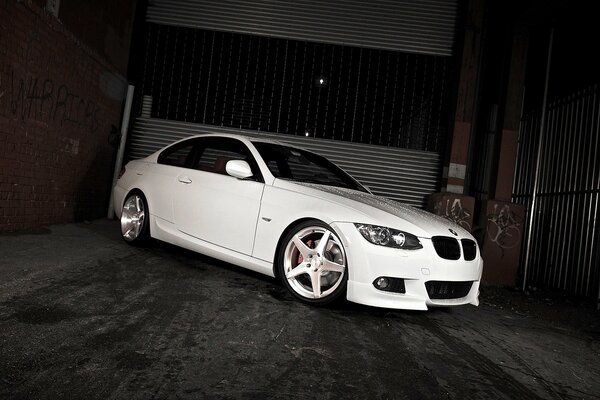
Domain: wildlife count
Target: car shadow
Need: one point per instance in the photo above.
(266, 284)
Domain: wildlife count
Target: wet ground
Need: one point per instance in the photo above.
(83, 315)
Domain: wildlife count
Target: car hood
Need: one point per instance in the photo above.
(379, 210)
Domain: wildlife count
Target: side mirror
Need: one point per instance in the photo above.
(238, 169)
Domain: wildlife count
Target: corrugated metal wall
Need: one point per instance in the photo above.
(408, 176)
(426, 26)
(565, 243)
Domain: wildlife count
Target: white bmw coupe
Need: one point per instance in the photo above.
(289, 213)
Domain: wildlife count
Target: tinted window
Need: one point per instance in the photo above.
(303, 166)
(177, 155)
(213, 154)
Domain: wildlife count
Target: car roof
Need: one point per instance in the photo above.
(248, 137)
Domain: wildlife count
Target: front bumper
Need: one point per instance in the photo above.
(368, 262)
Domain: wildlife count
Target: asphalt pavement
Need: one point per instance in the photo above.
(85, 316)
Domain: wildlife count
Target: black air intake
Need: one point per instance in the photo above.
(439, 290)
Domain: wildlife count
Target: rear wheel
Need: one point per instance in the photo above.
(135, 219)
(312, 263)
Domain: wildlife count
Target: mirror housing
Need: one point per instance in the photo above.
(238, 169)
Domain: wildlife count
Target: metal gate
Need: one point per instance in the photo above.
(564, 251)
(298, 88)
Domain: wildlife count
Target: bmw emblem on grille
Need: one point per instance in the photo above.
(452, 231)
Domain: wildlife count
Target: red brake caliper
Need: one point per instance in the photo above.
(311, 245)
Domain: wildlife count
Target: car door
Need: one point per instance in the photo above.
(163, 177)
(213, 206)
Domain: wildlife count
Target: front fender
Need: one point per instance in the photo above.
(282, 207)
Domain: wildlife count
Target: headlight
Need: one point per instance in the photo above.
(388, 237)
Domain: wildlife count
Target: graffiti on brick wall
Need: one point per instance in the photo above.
(504, 227)
(29, 97)
(454, 211)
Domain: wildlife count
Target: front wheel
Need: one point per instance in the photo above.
(312, 263)
(135, 219)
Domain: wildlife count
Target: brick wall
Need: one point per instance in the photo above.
(58, 100)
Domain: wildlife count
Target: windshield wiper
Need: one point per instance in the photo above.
(315, 181)
(309, 180)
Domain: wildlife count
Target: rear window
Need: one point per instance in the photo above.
(178, 155)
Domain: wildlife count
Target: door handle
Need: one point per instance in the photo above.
(184, 179)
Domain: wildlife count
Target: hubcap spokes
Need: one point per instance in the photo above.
(323, 265)
(132, 217)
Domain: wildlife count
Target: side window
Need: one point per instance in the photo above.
(274, 167)
(177, 155)
(214, 153)
(214, 158)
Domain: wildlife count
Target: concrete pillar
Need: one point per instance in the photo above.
(452, 203)
(464, 118)
(457, 208)
(502, 241)
(505, 220)
(512, 116)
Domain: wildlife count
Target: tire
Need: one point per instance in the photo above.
(306, 266)
(135, 219)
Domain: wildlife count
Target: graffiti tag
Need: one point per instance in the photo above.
(454, 212)
(32, 98)
(504, 227)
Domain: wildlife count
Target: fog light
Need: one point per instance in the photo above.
(382, 283)
(387, 284)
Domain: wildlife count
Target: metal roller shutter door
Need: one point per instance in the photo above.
(426, 26)
(408, 176)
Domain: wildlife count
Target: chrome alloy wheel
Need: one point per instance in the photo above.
(314, 262)
(133, 217)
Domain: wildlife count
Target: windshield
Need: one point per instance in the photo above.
(303, 166)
